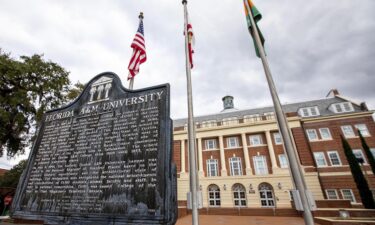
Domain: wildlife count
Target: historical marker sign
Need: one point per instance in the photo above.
(103, 159)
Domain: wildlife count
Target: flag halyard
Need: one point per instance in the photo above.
(139, 52)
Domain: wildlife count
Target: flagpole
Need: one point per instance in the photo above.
(131, 81)
(295, 168)
(191, 130)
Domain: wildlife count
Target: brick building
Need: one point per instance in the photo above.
(241, 161)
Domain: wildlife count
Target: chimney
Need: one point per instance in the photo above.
(228, 102)
(334, 91)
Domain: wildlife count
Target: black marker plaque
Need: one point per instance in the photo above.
(103, 159)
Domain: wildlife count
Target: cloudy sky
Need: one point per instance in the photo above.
(312, 47)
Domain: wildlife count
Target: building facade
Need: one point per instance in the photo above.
(241, 159)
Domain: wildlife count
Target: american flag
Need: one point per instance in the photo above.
(139, 52)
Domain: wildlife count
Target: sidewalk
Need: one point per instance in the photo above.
(242, 220)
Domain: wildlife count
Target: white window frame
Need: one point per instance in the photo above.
(330, 196)
(309, 111)
(235, 166)
(216, 196)
(252, 118)
(352, 198)
(347, 131)
(255, 140)
(277, 138)
(230, 121)
(326, 129)
(361, 153)
(269, 115)
(260, 170)
(212, 171)
(207, 144)
(283, 161)
(316, 155)
(330, 158)
(315, 133)
(342, 107)
(209, 123)
(229, 145)
(363, 129)
(239, 201)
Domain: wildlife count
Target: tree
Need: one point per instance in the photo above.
(369, 155)
(28, 87)
(74, 91)
(11, 177)
(359, 178)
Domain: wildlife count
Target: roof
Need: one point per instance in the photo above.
(322, 105)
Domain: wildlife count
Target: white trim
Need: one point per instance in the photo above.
(207, 145)
(275, 138)
(232, 162)
(236, 142)
(255, 137)
(308, 134)
(347, 135)
(328, 132)
(337, 196)
(351, 192)
(324, 159)
(330, 159)
(366, 132)
(362, 155)
(214, 162)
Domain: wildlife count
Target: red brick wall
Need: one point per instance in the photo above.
(304, 153)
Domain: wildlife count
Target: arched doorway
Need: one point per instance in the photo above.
(266, 195)
(239, 195)
(214, 196)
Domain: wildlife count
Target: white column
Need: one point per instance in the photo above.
(200, 158)
(271, 150)
(246, 155)
(222, 158)
(182, 156)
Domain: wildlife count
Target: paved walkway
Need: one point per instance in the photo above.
(242, 220)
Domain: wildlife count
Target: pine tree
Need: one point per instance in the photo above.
(369, 155)
(360, 180)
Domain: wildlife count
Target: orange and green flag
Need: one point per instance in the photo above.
(257, 16)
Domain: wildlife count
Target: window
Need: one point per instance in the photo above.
(269, 115)
(283, 161)
(260, 165)
(331, 194)
(277, 138)
(325, 134)
(320, 159)
(334, 158)
(232, 142)
(209, 123)
(252, 118)
(309, 111)
(210, 144)
(230, 121)
(212, 167)
(311, 134)
(372, 150)
(266, 195)
(359, 155)
(341, 107)
(255, 140)
(347, 194)
(214, 195)
(239, 195)
(235, 166)
(363, 129)
(347, 130)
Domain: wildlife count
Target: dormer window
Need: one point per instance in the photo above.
(341, 107)
(309, 111)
